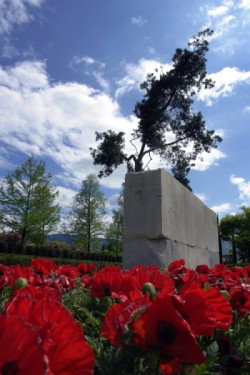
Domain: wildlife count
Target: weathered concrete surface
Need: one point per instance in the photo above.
(164, 221)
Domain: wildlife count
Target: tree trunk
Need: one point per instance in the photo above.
(234, 253)
(89, 238)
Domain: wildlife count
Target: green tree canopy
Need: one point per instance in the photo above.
(27, 202)
(165, 113)
(236, 229)
(86, 215)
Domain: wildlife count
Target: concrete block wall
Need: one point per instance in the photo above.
(164, 221)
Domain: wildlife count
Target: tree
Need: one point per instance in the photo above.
(87, 213)
(27, 202)
(115, 229)
(243, 239)
(165, 113)
(236, 228)
(229, 228)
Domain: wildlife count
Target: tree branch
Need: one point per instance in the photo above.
(164, 146)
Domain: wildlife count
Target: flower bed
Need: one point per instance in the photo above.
(78, 320)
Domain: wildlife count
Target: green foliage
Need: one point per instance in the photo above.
(86, 214)
(109, 153)
(130, 359)
(166, 108)
(24, 260)
(27, 202)
(236, 228)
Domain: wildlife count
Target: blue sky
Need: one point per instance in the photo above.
(70, 68)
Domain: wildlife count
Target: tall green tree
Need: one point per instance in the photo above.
(115, 229)
(167, 124)
(236, 229)
(229, 229)
(87, 213)
(243, 239)
(27, 202)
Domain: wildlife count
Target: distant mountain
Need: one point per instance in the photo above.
(63, 237)
(60, 237)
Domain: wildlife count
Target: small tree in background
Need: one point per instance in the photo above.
(86, 216)
(167, 125)
(27, 202)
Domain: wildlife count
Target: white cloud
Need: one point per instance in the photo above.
(217, 11)
(201, 196)
(9, 51)
(244, 4)
(222, 208)
(137, 73)
(89, 66)
(58, 121)
(112, 202)
(243, 186)
(138, 21)
(207, 160)
(13, 12)
(65, 196)
(227, 20)
(225, 83)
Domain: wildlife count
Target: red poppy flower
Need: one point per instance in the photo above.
(20, 348)
(65, 283)
(162, 328)
(177, 266)
(16, 272)
(62, 338)
(220, 270)
(161, 281)
(203, 310)
(38, 292)
(202, 278)
(105, 282)
(242, 272)
(247, 270)
(43, 266)
(203, 269)
(170, 367)
(128, 290)
(68, 271)
(239, 297)
(117, 317)
(86, 281)
(82, 269)
(92, 268)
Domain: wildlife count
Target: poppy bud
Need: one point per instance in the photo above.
(20, 283)
(225, 294)
(150, 288)
(206, 286)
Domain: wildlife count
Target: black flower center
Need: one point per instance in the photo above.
(166, 332)
(106, 290)
(10, 368)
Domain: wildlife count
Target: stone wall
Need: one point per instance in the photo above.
(164, 221)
